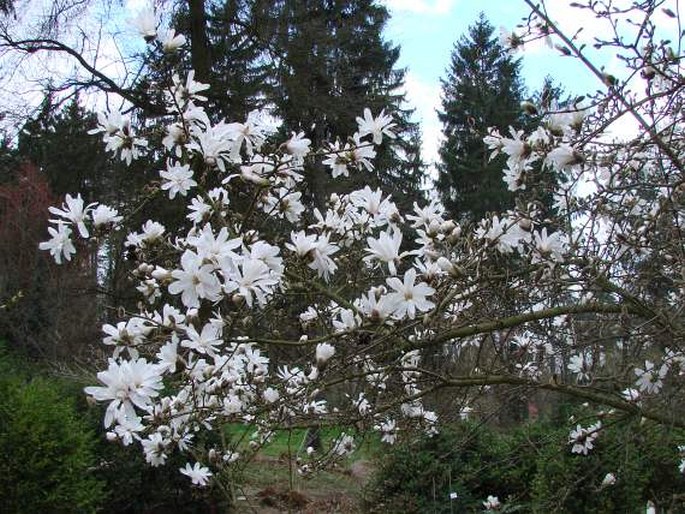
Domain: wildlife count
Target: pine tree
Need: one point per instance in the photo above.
(316, 64)
(483, 89)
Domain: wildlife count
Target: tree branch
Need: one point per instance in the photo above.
(102, 81)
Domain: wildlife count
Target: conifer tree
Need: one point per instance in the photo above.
(482, 89)
(58, 143)
(317, 65)
(335, 63)
(238, 54)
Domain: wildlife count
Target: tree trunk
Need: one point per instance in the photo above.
(199, 47)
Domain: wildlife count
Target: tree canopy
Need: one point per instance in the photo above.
(483, 88)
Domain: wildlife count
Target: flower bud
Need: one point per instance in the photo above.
(324, 351)
(447, 226)
(445, 265)
(529, 108)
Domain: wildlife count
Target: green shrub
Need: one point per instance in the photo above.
(641, 456)
(470, 460)
(47, 455)
(531, 469)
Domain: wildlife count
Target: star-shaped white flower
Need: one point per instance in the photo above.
(408, 296)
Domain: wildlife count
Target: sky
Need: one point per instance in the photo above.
(426, 31)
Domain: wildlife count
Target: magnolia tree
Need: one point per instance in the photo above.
(259, 311)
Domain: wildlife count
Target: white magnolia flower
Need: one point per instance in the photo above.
(214, 147)
(377, 308)
(386, 249)
(580, 365)
(154, 448)
(284, 203)
(651, 380)
(146, 23)
(550, 246)
(184, 93)
(105, 215)
(127, 384)
(199, 210)
(60, 244)
(171, 41)
(126, 334)
(250, 134)
(252, 279)
(178, 179)
(388, 430)
(425, 217)
(344, 445)
(338, 160)
(168, 355)
(377, 127)
(195, 281)
(74, 211)
(215, 248)
(270, 395)
(199, 475)
(492, 503)
(206, 341)
(582, 439)
(324, 351)
(298, 145)
(563, 156)
(361, 154)
(110, 123)
(408, 296)
(609, 479)
(317, 249)
(347, 320)
(301, 243)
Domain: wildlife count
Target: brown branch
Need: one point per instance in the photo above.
(577, 52)
(527, 317)
(585, 393)
(103, 81)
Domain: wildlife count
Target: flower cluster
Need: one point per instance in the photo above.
(263, 311)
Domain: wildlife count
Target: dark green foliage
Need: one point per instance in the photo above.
(316, 64)
(133, 486)
(468, 459)
(482, 89)
(240, 55)
(58, 143)
(643, 458)
(47, 451)
(334, 63)
(531, 469)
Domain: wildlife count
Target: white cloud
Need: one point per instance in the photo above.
(421, 6)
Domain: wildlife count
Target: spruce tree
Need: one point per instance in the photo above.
(236, 50)
(335, 63)
(483, 89)
(316, 64)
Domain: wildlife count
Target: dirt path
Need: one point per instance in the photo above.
(267, 489)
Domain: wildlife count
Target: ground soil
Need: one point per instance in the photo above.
(267, 489)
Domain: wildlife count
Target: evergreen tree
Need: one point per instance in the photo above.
(238, 53)
(335, 63)
(316, 64)
(483, 89)
(58, 143)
